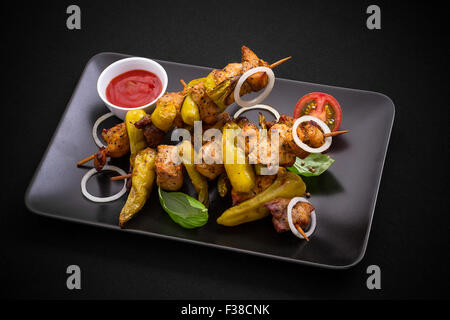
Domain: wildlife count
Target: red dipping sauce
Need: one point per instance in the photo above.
(133, 89)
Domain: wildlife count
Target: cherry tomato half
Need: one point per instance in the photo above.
(320, 105)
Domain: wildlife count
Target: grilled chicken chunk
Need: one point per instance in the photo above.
(250, 60)
(259, 149)
(212, 163)
(176, 98)
(222, 118)
(286, 156)
(231, 70)
(117, 142)
(249, 136)
(301, 214)
(152, 134)
(116, 139)
(169, 170)
(255, 82)
(308, 132)
(207, 108)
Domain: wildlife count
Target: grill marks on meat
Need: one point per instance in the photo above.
(168, 167)
(301, 214)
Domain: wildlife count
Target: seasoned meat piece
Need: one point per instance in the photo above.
(230, 71)
(286, 156)
(152, 134)
(144, 121)
(176, 98)
(100, 159)
(261, 184)
(263, 154)
(253, 83)
(250, 60)
(212, 162)
(249, 135)
(301, 214)
(222, 118)
(309, 132)
(117, 141)
(207, 108)
(169, 175)
(313, 136)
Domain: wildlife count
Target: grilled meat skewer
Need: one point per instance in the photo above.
(301, 214)
(202, 93)
(117, 146)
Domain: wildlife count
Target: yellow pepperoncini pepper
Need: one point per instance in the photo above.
(143, 177)
(239, 171)
(223, 184)
(164, 115)
(218, 92)
(189, 110)
(136, 136)
(286, 185)
(187, 154)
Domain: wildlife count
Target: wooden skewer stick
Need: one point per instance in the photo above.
(299, 229)
(335, 133)
(117, 178)
(79, 163)
(276, 64)
(183, 83)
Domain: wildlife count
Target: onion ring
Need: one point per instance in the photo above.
(294, 230)
(91, 172)
(304, 146)
(94, 129)
(263, 95)
(258, 106)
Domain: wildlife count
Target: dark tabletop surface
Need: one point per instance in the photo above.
(406, 60)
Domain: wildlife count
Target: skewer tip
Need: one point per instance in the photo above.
(335, 133)
(81, 162)
(276, 64)
(299, 229)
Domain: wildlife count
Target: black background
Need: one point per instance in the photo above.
(406, 60)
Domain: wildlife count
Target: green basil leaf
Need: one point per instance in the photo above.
(318, 161)
(183, 209)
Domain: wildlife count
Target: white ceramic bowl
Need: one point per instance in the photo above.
(124, 65)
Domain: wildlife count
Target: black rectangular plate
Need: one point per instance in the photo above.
(344, 196)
